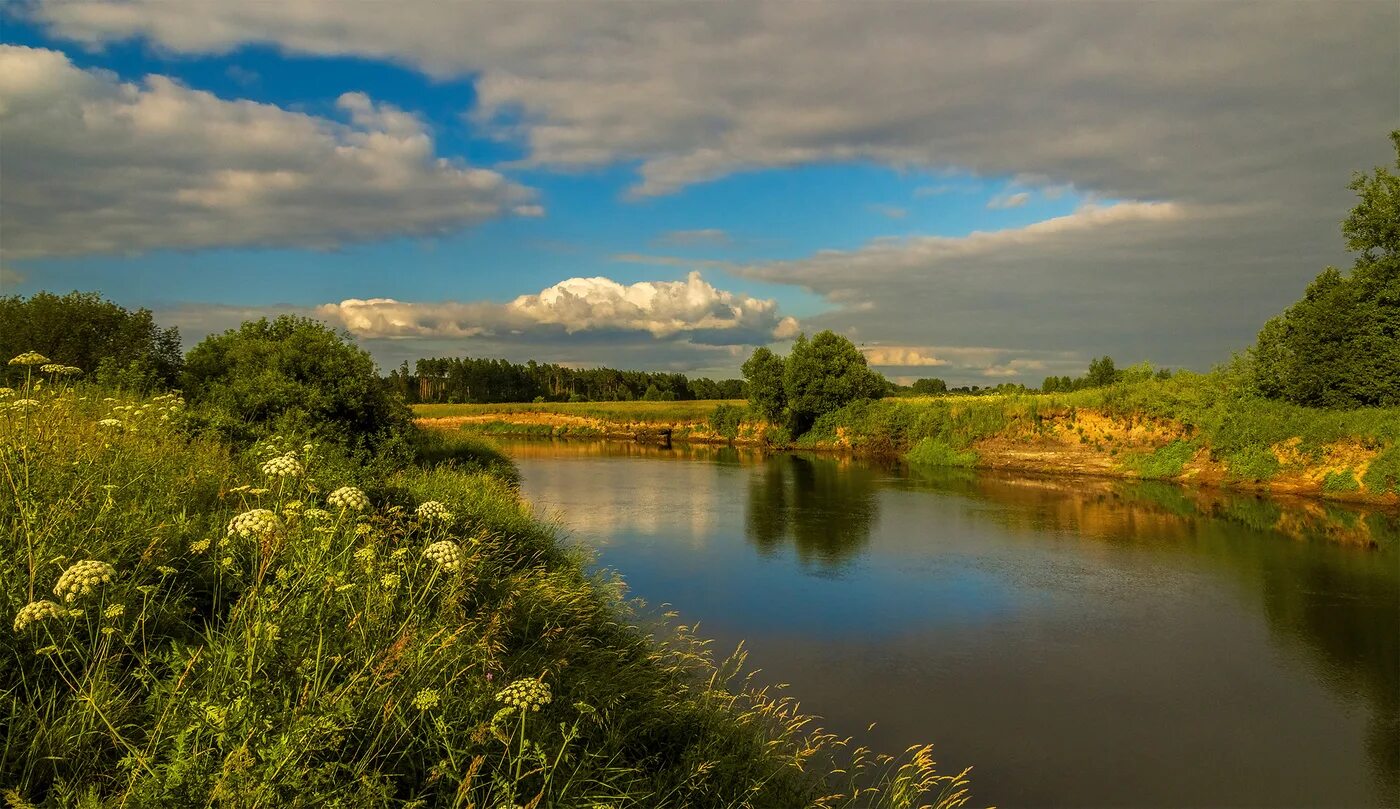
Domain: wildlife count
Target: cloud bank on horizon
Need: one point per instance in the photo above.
(1198, 153)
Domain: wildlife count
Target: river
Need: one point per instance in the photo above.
(1076, 642)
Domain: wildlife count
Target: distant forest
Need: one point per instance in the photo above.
(484, 381)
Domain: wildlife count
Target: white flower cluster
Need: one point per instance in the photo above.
(58, 369)
(527, 695)
(6, 393)
(426, 699)
(109, 423)
(433, 511)
(82, 578)
(349, 498)
(316, 514)
(24, 404)
(29, 358)
(447, 554)
(36, 611)
(256, 523)
(283, 466)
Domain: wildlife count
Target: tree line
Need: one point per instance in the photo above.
(486, 381)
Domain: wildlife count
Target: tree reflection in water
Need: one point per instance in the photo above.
(825, 507)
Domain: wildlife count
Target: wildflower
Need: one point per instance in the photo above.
(316, 514)
(166, 570)
(258, 492)
(365, 556)
(29, 358)
(114, 611)
(6, 392)
(527, 695)
(199, 546)
(36, 611)
(58, 369)
(389, 581)
(109, 423)
(82, 578)
(446, 554)
(348, 498)
(24, 404)
(426, 699)
(433, 511)
(284, 466)
(345, 588)
(256, 523)
(363, 530)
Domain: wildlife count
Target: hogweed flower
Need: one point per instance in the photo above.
(200, 546)
(5, 393)
(426, 699)
(36, 611)
(316, 514)
(58, 369)
(114, 611)
(82, 578)
(24, 404)
(349, 498)
(109, 423)
(256, 524)
(389, 581)
(528, 695)
(447, 554)
(433, 511)
(283, 466)
(29, 358)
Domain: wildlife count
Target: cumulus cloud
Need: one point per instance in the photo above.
(93, 164)
(691, 310)
(901, 356)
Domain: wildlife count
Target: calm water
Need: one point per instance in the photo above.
(1094, 643)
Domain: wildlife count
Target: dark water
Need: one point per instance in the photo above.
(1090, 643)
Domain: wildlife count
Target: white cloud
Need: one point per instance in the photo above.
(93, 164)
(1015, 200)
(901, 356)
(889, 211)
(692, 310)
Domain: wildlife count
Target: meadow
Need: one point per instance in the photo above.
(196, 623)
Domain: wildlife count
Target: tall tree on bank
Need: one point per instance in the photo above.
(111, 344)
(1340, 345)
(764, 374)
(826, 373)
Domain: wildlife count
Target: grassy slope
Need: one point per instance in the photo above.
(331, 663)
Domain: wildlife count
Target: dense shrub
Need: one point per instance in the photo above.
(294, 375)
(725, 421)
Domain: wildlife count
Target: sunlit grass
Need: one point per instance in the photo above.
(186, 625)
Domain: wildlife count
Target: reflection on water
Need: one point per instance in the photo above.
(1090, 642)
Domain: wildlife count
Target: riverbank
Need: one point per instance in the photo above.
(196, 622)
(1192, 428)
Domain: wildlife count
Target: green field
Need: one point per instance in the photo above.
(645, 412)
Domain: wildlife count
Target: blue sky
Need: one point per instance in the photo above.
(953, 221)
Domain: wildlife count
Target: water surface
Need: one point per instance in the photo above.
(1079, 643)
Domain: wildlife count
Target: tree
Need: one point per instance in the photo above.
(1101, 373)
(764, 374)
(824, 374)
(929, 387)
(111, 344)
(293, 374)
(1339, 346)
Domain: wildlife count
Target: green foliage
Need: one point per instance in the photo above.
(1343, 481)
(933, 452)
(486, 381)
(307, 655)
(298, 376)
(1340, 345)
(1163, 463)
(824, 374)
(458, 451)
(929, 387)
(1252, 463)
(1102, 372)
(1383, 473)
(763, 376)
(112, 345)
(725, 420)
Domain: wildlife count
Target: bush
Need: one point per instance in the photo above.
(295, 375)
(725, 421)
(1164, 462)
(1343, 481)
(933, 452)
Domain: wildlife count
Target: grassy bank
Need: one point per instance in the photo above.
(1192, 428)
(195, 625)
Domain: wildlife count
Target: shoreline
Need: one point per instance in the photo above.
(1038, 454)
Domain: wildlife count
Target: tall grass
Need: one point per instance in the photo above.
(262, 641)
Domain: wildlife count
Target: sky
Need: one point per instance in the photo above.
(981, 192)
